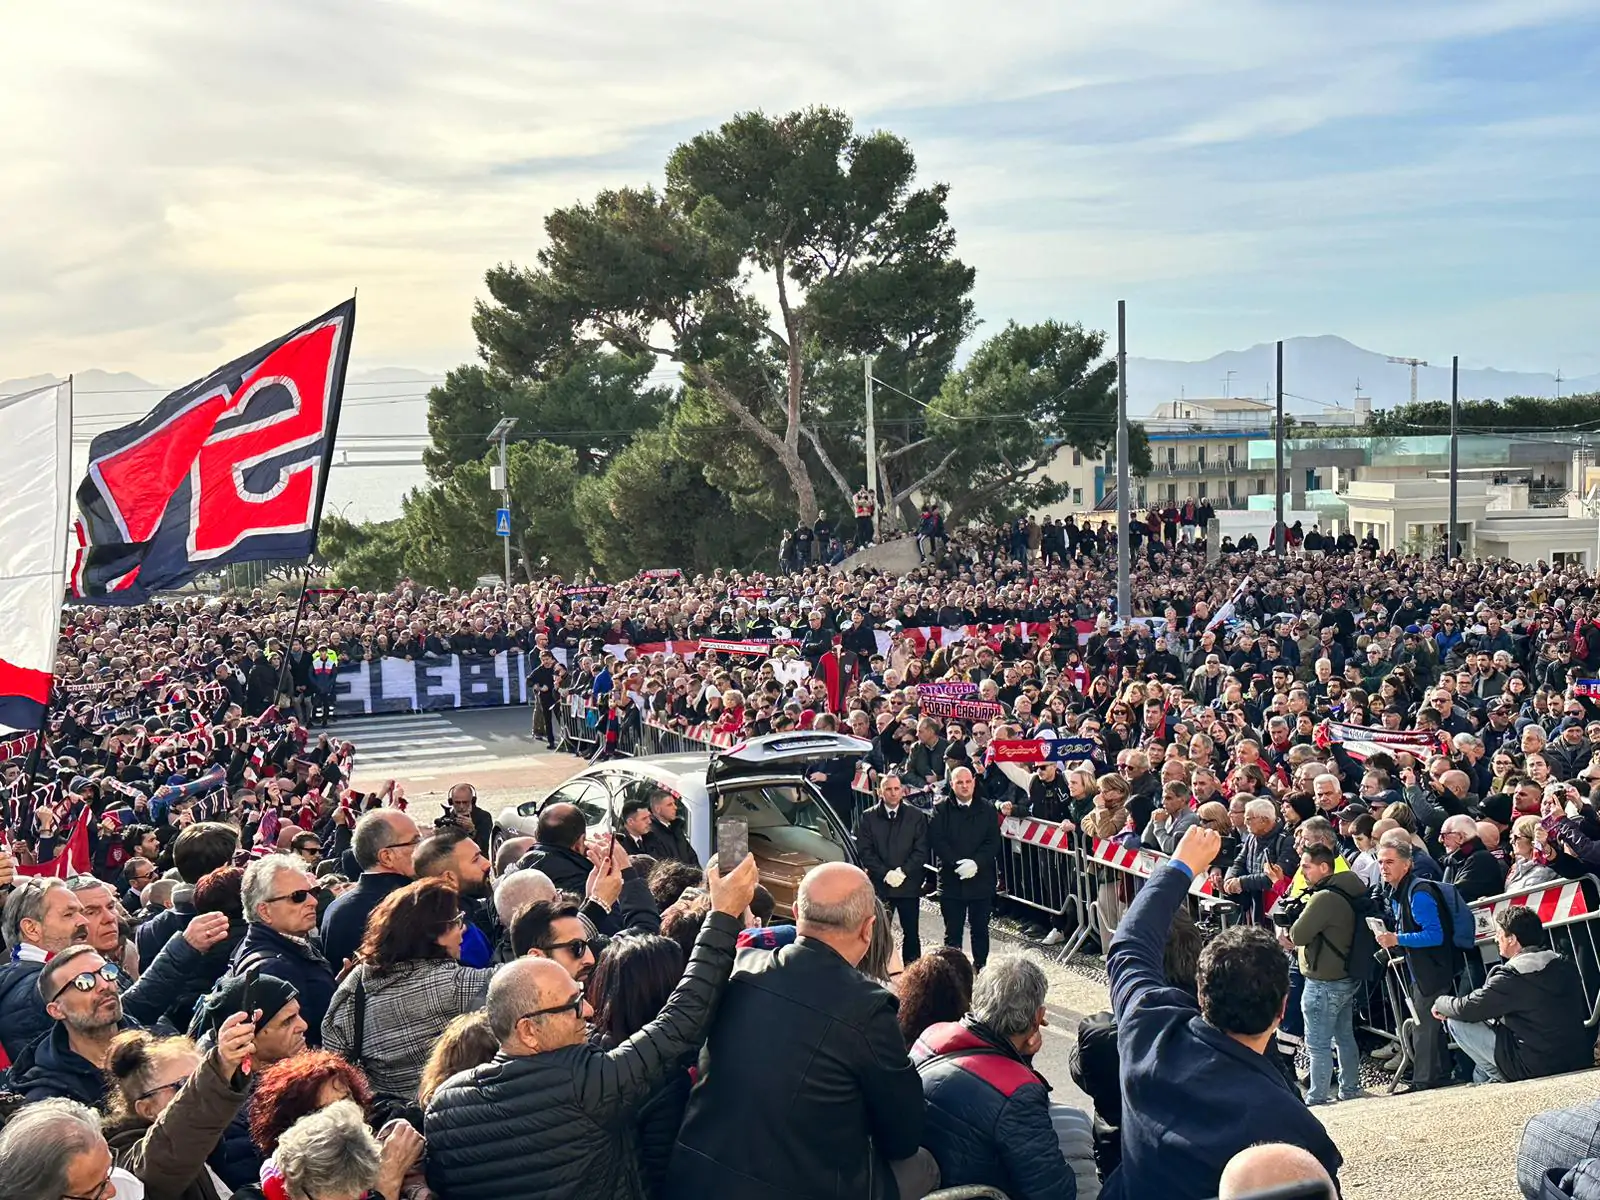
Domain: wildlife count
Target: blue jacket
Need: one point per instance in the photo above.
(22, 1015)
(297, 964)
(344, 925)
(50, 1067)
(988, 1117)
(1176, 1067)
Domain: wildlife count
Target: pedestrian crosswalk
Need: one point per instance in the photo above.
(410, 744)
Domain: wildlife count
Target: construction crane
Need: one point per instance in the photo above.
(1413, 363)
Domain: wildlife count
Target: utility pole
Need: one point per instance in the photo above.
(1455, 408)
(1124, 483)
(1278, 537)
(1413, 363)
(1227, 384)
(500, 480)
(872, 445)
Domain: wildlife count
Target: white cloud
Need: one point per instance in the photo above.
(184, 180)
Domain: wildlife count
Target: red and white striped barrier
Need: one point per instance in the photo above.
(1556, 905)
(1107, 853)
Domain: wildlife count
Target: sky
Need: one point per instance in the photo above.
(185, 180)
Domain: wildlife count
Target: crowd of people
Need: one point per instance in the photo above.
(268, 983)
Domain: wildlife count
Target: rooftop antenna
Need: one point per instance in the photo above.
(1227, 383)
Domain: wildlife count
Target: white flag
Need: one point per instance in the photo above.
(35, 498)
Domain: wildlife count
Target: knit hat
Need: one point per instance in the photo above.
(227, 998)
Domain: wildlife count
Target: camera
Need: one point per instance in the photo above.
(1288, 910)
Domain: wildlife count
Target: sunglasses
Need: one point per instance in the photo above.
(86, 981)
(298, 896)
(577, 947)
(574, 1005)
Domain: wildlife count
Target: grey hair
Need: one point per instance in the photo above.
(1464, 741)
(1261, 808)
(848, 913)
(1460, 823)
(1320, 831)
(520, 889)
(258, 881)
(25, 903)
(1399, 841)
(329, 1152)
(372, 835)
(1008, 994)
(39, 1143)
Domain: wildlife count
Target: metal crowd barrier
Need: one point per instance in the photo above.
(1570, 912)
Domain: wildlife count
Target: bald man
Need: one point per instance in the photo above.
(840, 1066)
(552, 1115)
(1271, 1165)
(964, 838)
(383, 843)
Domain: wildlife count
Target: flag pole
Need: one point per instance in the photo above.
(25, 809)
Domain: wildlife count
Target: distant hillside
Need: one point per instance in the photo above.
(1325, 368)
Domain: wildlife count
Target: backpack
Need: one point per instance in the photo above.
(1460, 928)
(1361, 963)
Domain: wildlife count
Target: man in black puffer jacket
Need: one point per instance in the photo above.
(559, 849)
(552, 1115)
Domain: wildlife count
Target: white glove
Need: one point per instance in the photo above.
(966, 868)
(895, 877)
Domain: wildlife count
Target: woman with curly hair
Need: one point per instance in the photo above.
(296, 1086)
(934, 989)
(408, 985)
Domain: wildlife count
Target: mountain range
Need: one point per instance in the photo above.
(1323, 372)
(1320, 373)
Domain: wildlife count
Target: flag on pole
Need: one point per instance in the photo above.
(74, 857)
(35, 504)
(231, 468)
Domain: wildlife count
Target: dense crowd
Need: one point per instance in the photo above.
(267, 983)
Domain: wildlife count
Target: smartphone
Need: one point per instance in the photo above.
(251, 974)
(733, 843)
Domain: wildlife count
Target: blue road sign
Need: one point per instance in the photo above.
(502, 522)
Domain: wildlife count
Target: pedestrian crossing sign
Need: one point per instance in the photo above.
(502, 522)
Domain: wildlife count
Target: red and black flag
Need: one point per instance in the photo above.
(231, 468)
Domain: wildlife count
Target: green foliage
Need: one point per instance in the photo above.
(365, 556)
(593, 402)
(780, 252)
(653, 508)
(1026, 393)
(448, 529)
(1514, 414)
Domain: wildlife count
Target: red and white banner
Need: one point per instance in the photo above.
(1050, 836)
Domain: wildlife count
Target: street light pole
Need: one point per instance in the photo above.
(1124, 476)
(501, 478)
(872, 444)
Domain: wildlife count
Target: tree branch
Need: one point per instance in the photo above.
(1011, 476)
(906, 449)
(838, 476)
(929, 477)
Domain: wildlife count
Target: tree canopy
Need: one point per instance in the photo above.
(780, 253)
(1514, 414)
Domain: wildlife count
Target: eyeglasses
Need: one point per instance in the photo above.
(574, 1005)
(403, 845)
(86, 981)
(175, 1086)
(310, 849)
(459, 921)
(99, 1192)
(577, 947)
(298, 896)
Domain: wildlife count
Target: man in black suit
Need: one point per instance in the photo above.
(964, 836)
(636, 822)
(892, 839)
